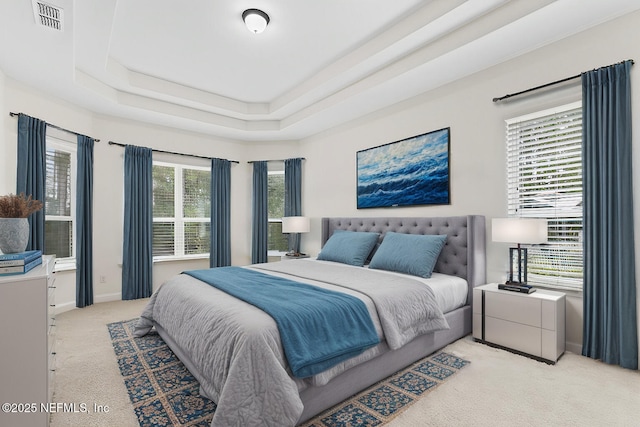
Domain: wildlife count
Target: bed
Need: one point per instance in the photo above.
(236, 353)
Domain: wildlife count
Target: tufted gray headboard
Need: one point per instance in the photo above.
(464, 254)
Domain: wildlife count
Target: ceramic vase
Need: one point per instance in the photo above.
(14, 235)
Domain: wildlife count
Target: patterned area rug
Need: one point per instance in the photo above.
(164, 393)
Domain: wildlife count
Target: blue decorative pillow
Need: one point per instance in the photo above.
(348, 247)
(413, 254)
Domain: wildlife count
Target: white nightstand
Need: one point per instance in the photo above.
(533, 324)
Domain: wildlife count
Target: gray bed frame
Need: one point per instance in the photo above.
(464, 255)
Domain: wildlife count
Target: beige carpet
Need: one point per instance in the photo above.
(497, 389)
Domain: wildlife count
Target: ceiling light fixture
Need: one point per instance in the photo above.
(255, 20)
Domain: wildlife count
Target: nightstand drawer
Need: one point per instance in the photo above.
(513, 335)
(514, 308)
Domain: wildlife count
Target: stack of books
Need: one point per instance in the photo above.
(19, 263)
(517, 287)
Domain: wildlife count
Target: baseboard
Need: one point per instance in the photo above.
(66, 306)
(573, 347)
(71, 305)
(107, 297)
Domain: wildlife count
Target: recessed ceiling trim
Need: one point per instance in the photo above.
(201, 97)
(429, 45)
(48, 15)
(215, 109)
(175, 110)
(370, 51)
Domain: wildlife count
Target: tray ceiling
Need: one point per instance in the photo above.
(195, 66)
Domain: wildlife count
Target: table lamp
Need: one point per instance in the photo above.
(520, 231)
(294, 225)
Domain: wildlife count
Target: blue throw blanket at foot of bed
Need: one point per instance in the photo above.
(318, 328)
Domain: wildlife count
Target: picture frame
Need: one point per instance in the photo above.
(409, 172)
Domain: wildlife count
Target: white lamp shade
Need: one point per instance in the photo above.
(255, 20)
(519, 230)
(295, 224)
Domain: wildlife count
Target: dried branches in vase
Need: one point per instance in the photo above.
(18, 206)
(14, 226)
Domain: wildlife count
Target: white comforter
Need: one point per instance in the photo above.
(236, 347)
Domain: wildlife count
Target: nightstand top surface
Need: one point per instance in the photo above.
(294, 257)
(539, 293)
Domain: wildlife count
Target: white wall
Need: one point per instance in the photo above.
(6, 171)
(477, 153)
(19, 99)
(108, 193)
(477, 156)
(109, 177)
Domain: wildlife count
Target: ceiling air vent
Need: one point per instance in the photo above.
(48, 15)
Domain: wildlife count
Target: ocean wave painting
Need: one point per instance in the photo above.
(413, 171)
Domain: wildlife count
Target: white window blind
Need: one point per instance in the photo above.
(544, 180)
(60, 199)
(181, 210)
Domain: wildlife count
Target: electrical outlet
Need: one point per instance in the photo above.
(103, 279)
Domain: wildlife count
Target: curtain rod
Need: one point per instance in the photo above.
(547, 85)
(172, 152)
(274, 160)
(56, 127)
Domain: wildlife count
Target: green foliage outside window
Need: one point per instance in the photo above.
(163, 191)
(181, 210)
(276, 240)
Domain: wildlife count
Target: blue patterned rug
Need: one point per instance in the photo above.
(164, 393)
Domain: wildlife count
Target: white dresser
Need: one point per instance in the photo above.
(27, 340)
(533, 324)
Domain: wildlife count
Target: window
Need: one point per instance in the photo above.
(277, 242)
(544, 178)
(181, 210)
(60, 200)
